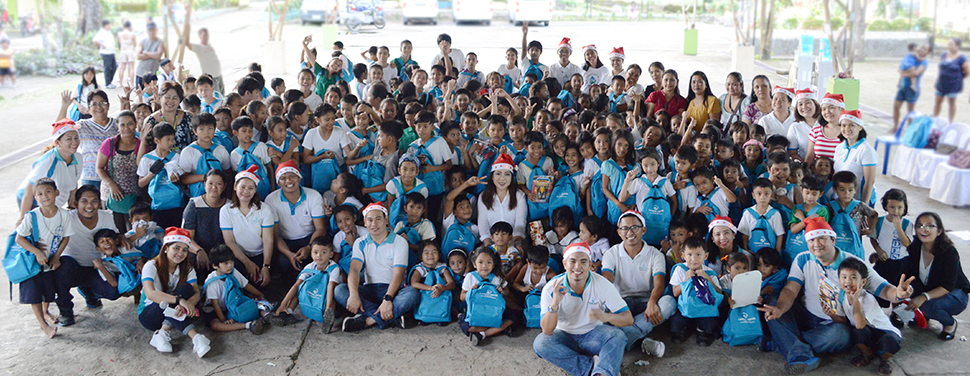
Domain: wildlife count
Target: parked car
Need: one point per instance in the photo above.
(421, 10)
(535, 11)
(472, 11)
(317, 11)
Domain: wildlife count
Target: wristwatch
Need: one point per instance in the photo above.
(267, 266)
(388, 298)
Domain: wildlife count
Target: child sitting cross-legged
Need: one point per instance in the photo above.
(694, 308)
(217, 291)
(321, 250)
(534, 275)
(872, 331)
(113, 282)
(439, 282)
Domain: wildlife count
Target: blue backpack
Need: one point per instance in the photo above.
(743, 326)
(250, 159)
(536, 69)
(614, 101)
(918, 132)
(698, 298)
(567, 99)
(323, 172)
(223, 138)
(566, 194)
(706, 201)
(458, 236)
(368, 149)
(128, 278)
(73, 112)
(597, 200)
(395, 213)
(762, 235)
(313, 293)
(795, 243)
(165, 194)
(524, 89)
(616, 183)
(537, 210)
(533, 309)
(656, 211)
(433, 309)
(434, 180)
(19, 263)
(207, 161)
(508, 84)
(241, 308)
(485, 304)
(371, 174)
(847, 232)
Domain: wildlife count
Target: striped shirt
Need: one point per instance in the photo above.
(92, 136)
(824, 146)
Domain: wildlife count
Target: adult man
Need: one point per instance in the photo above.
(299, 214)
(573, 335)
(383, 256)
(911, 70)
(817, 324)
(105, 41)
(208, 59)
(150, 52)
(638, 272)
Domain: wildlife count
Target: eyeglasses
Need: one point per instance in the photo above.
(925, 227)
(102, 103)
(629, 228)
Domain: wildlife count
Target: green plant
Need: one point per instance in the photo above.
(900, 24)
(152, 6)
(67, 61)
(879, 25)
(812, 24)
(790, 24)
(837, 23)
(672, 8)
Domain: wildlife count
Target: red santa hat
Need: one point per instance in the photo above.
(375, 206)
(834, 99)
(815, 227)
(582, 247)
(854, 116)
(288, 166)
(565, 44)
(176, 235)
(631, 213)
(617, 52)
(720, 220)
(62, 126)
(503, 162)
(249, 173)
(786, 90)
(589, 47)
(806, 93)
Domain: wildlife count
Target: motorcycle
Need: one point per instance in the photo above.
(361, 13)
(27, 26)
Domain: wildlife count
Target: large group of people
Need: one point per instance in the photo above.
(582, 199)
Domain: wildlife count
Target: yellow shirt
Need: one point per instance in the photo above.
(6, 58)
(702, 114)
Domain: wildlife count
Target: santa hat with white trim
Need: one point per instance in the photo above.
(288, 166)
(816, 227)
(176, 235)
(582, 247)
(786, 90)
(379, 206)
(589, 47)
(806, 93)
(503, 162)
(249, 173)
(61, 127)
(854, 116)
(631, 213)
(565, 44)
(617, 52)
(836, 100)
(720, 220)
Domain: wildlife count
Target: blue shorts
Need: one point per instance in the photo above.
(948, 95)
(38, 289)
(907, 94)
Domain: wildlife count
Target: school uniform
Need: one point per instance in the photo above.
(679, 321)
(151, 314)
(599, 249)
(50, 165)
(855, 158)
(748, 223)
(261, 151)
(189, 157)
(295, 220)
(217, 102)
(439, 152)
(774, 126)
(164, 217)
(716, 198)
(559, 246)
(523, 173)
(345, 249)
(888, 239)
(879, 334)
(247, 228)
(563, 73)
(393, 184)
(465, 76)
(639, 189)
(450, 220)
(41, 288)
(336, 143)
(215, 288)
(685, 196)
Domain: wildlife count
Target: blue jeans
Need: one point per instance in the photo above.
(641, 325)
(69, 275)
(943, 309)
(877, 340)
(799, 333)
(574, 352)
(371, 297)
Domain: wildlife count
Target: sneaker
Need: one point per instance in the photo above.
(508, 331)
(93, 303)
(284, 319)
(354, 324)
(801, 365)
(652, 347)
(328, 318)
(67, 320)
(885, 367)
(704, 339)
(406, 321)
(896, 320)
(200, 345)
(161, 341)
(475, 338)
(111, 86)
(259, 326)
(679, 338)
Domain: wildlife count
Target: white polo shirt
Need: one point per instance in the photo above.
(217, 289)
(296, 220)
(561, 73)
(438, 148)
(341, 236)
(574, 309)
(773, 126)
(380, 259)
(149, 272)
(717, 198)
(854, 158)
(189, 157)
(808, 272)
(247, 229)
(65, 175)
(81, 247)
(748, 222)
(634, 276)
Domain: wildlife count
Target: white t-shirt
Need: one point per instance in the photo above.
(749, 221)
(807, 271)
(217, 289)
(247, 229)
(261, 151)
(596, 76)
(391, 187)
(171, 167)
(341, 236)
(717, 198)
(424, 228)
(107, 40)
(149, 272)
(678, 274)
(870, 310)
(65, 175)
(523, 172)
(798, 138)
(527, 63)
(515, 72)
(380, 259)
(634, 276)
(773, 126)
(306, 272)
(457, 60)
(574, 309)
(50, 230)
(189, 157)
(641, 186)
(439, 150)
(81, 247)
(296, 220)
(313, 101)
(563, 74)
(470, 282)
(338, 139)
(886, 236)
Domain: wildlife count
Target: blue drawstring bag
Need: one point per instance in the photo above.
(434, 180)
(485, 304)
(433, 309)
(533, 310)
(241, 308)
(762, 235)
(657, 213)
(249, 159)
(164, 192)
(698, 298)
(207, 161)
(918, 132)
(323, 172)
(128, 278)
(313, 293)
(566, 194)
(743, 326)
(19, 263)
(847, 232)
(371, 174)
(458, 236)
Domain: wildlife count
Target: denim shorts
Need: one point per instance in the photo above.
(907, 94)
(948, 95)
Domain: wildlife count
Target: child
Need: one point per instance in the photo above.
(713, 197)
(872, 332)
(486, 262)
(812, 189)
(192, 105)
(158, 171)
(773, 274)
(109, 266)
(531, 53)
(415, 228)
(89, 83)
(591, 229)
(215, 291)
(406, 183)
(145, 235)
(534, 166)
(202, 155)
(673, 244)
(517, 147)
(654, 196)
(562, 234)
(682, 278)
(49, 229)
(345, 217)
(430, 256)
(892, 235)
(761, 224)
(344, 189)
(510, 71)
(730, 173)
(435, 157)
(251, 152)
(614, 170)
(459, 229)
(785, 193)
(282, 145)
(471, 60)
(680, 177)
(509, 255)
(324, 149)
(321, 252)
(535, 274)
(458, 266)
(7, 69)
(753, 159)
(850, 218)
(211, 99)
(822, 168)
(277, 85)
(737, 263)
(386, 156)
(168, 72)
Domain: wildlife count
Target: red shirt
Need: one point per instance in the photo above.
(673, 106)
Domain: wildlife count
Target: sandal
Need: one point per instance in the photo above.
(861, 360)
(885, 367)
(948, 336)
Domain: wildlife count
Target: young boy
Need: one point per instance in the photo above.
(761, 225)
(7, 64)
(850, 218)
(530, 56)
(435, 157)
(347, 105)
(168, 72)
(211, 99)
(278, 86)
(321, 252)
(49, 229)
(459, 229)
(385, 154)
(159, 171)
(223, 135)
(511, 257)
(215, 292)
(872, 331)
(785, 194)
(681, 278)
(713, 197)
(562, 234)
(145, 235)
(673, 245)
(202, 155)
(534, 275)
(730, 173)
(811, 190)
(109, 267)
(680, 177)
(242, 128)
(619, 101)
(149, 88)
(416, 228)
(471, 61)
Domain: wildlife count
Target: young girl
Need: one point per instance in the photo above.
(591, 231)
(595, 198)
(855, 154)
(282, 146)
(594, 72)
(656, 71)
(485, 261)
(247, 228)
(822, 168)
(362, 136)
(327, 143)
(298, 116)
(668, 98)
(89, 83)
(59, 163)
(510, 70)
(654, 196)
(502, 201)
(701, 102)
(613, 171)
(169, 284)
(754, 158)
(893, 234)
(430, 263)
(807, 113)
(574, 162)
(406, 183)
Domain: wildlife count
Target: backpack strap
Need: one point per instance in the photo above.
(879, 225)
(207, 283)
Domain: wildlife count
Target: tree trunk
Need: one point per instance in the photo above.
(89, 16)
(890, 10)
(767, 24)
(858, 20)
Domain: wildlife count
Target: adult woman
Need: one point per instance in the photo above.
(780, 118)
(721, 233)
(502, 201)
(201, 215)
(594, 72)
(126, 55)
(172, 95)
(59, 162)
(760, 100)
(92, 133)
(954, 67)
(168, 281)
(117, 167)
(824, 137)
(656, 70)
(734, 102)
(701, 102)
(247, 227)
(855, 154)
(807, 113)
(668, 98)
(940, 289)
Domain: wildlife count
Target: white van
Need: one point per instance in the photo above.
(472, 11)
(317, 11)
(420, 10)
(536, 11)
